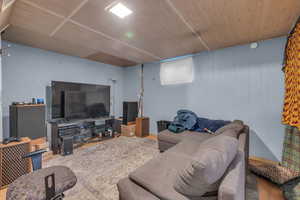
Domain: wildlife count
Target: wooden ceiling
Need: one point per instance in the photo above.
(157, 29)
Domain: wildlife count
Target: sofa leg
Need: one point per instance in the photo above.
(161, 151)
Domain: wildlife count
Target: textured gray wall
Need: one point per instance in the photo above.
(28, 71)
(232, 83)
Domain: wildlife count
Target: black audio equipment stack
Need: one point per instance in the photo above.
(64, 134)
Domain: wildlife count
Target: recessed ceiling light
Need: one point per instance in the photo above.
(120, 10)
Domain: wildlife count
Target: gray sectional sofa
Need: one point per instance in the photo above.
(193, 166)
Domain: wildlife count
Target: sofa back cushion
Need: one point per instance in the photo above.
(236, 125)
(232, 133)
(203, 173)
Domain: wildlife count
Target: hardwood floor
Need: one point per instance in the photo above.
(2, 194)
(153, 137)
(267, 190)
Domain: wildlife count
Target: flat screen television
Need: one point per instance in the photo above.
(79, 100)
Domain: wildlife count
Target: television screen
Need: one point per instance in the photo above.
(77, 100)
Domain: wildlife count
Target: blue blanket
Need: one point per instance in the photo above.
(188, 120)
(185, 120)
(212, 125)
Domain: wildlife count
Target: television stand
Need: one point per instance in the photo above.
(68, 133)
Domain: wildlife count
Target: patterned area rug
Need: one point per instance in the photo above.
(100, 167)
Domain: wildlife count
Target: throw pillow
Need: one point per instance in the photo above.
(208, 166)
(272, 171)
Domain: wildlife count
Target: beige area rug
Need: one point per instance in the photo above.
(100, 167)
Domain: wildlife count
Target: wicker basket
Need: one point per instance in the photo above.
(162, 125)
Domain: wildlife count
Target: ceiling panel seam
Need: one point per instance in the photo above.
(91, 29)
(68, 17)
(187, 24)
(111, 38)
(43, 9)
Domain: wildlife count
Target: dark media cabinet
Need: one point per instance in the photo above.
(27, 121)
(64, 134)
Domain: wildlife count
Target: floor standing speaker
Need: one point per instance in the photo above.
(27, 121)
(130, 112)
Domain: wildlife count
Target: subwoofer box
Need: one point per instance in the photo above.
(12, 163)
(67, 145)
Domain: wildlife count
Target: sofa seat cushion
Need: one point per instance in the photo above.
(171, 137)
(210, 162)
(158, 175)
(186, 148)
(175, 138)
(164, 145)
(130, 190)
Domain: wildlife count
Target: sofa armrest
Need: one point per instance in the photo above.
(233, 185)
(244, 146)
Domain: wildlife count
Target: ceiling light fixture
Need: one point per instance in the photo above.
(253, 45)
(120, 10)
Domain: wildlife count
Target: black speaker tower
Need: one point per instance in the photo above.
(130, 111)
